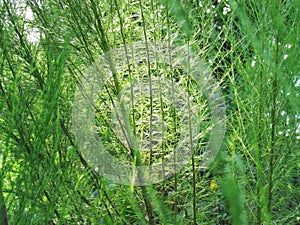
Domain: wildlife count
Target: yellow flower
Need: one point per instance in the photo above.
(44, 198)
(213, 184)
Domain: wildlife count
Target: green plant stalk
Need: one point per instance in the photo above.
(272, 152)
(192, 146)
(272, 155)
(260, 147)
(144, 190)
(173, 108)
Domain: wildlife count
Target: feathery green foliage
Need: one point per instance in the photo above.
(252, 50)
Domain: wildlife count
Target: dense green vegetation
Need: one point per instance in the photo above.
(49, 49)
